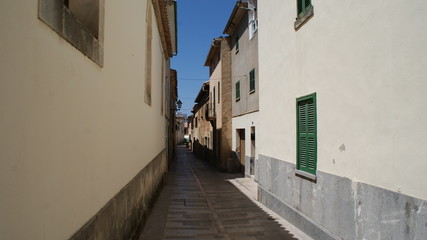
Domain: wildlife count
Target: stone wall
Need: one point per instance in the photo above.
(335, 207)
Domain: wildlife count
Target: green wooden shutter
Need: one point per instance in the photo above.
(299, 6)
(302, 6)
(307, 134)
(252, 80)
(307, 3)
(237, 90)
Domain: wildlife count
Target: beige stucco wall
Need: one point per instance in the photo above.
(367, 64)
(242, 62)
(72, 134)
(213, 82)
(204, 128)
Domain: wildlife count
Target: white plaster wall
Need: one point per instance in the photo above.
(246, 122)
(243, 62)
(213, 82)
(72, 134)
(367, 63)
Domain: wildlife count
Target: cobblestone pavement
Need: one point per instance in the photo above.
(197, 202)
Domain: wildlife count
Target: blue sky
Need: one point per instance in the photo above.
(199, 22)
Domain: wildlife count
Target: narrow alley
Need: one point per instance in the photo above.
(197, 202)
(301, 120)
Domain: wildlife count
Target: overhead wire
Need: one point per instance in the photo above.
(205, 79)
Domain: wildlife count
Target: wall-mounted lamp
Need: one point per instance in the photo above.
(178, 105)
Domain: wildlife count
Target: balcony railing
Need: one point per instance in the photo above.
(211, 111)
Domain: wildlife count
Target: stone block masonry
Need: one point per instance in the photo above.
(335, 207)
(226, 99)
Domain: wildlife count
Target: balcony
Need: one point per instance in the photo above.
(211, 112)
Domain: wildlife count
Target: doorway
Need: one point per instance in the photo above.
(241, 146)
(252, 161)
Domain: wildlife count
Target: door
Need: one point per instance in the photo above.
(252, 162)
(242, 146)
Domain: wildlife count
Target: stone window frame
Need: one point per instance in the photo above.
(57, 16)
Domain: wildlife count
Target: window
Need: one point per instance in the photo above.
(252, 81)
(80, 22)
(304, 12)
(87, 12)
(307, 134)
(214, 101)
(237, 43)
(237, 91)
(253, 23)
(302, 6)
(219, 92)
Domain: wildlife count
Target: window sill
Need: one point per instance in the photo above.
(237, 99)
(301, 20)
(306, 175)
(237, 51)
(61, 20)
(250, 92)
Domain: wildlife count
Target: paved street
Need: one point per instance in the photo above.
(198, 202)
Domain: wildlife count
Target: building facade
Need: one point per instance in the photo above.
(219, 112)
(202, 132)
(180, 128)
(171, 113)
(341, 151)
(242, 27)
(83, 98)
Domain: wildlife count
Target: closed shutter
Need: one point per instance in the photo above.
(307, 134)
(307, 3)
(302, 6)
(237, 90)
(252, 80)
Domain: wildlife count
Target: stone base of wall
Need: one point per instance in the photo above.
(335, 207)
(250, 164)
(122, 216)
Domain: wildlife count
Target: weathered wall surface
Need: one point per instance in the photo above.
(243, 61)
(245, 110)
(226, 97)
(72, 134)
(339, 206)
(214, 79)
(368, 70)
